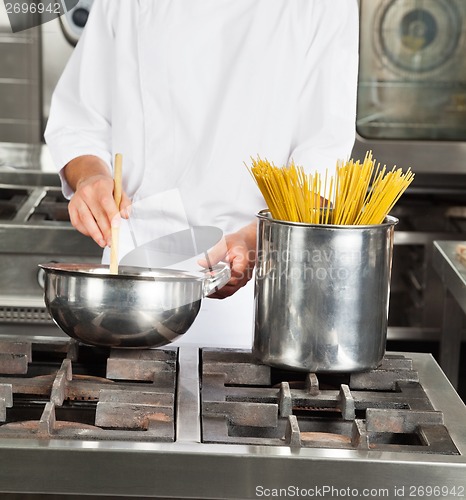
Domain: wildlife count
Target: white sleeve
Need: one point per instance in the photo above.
(326, 125)
(80, 116)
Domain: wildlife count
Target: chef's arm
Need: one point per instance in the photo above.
(92, 208)
(79, 128)
(81, 168)
(239, 250)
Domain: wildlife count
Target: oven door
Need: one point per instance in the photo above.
(412, 113)
(412, 84)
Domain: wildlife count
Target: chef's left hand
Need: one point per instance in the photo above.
(239, 250)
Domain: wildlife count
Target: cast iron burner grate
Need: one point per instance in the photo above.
(52, 207)
(72, 391)
(11, 199)
(387, 409)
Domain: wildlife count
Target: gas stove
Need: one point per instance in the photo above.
(190, 422)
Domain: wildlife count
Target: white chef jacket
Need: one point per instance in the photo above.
(189, 91)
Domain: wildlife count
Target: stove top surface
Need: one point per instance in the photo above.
(385, 409)
(65, 406)
(72, 391)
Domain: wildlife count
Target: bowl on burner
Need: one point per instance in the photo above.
(136, 308)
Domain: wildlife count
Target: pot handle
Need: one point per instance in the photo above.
(215, 277)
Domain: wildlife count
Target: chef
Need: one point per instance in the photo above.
(188, 92)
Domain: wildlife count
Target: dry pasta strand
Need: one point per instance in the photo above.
(358, 193)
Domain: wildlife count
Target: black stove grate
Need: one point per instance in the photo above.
(72, 391)
(386, 409)
(11, 199)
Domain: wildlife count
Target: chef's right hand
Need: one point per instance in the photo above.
(92, 208)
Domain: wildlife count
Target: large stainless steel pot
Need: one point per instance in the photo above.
(322, 294)
(135, 308)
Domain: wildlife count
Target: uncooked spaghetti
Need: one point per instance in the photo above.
(358, 194)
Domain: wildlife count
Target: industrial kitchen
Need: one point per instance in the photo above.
(232, 249)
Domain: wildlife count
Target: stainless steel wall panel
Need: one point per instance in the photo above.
(15, 57)
(20, 87)
(19, 100)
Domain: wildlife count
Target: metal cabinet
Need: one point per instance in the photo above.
(20, 89)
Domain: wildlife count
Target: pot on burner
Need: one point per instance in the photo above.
(322, 294)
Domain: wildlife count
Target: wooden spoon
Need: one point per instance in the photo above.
(117, 174)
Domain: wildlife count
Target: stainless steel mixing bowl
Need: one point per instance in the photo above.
(135, 308)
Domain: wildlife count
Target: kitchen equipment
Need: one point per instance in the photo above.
(34, 228)
(20, 82)
(74, 20)
(411, 89)
(136, 308)
(450, 264)
(411, 111)
(427, 212)
(68, 410)
(322, 294)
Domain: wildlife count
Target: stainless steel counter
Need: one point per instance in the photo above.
(453, 275)
(20, 157)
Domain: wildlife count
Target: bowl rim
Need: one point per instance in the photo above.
(126, 272)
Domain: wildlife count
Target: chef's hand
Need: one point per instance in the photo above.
(92, 208)
(239, 250)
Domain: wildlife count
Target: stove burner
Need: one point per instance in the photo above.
(115, 394)
(53, 207)
(34, 426)
(384, 409)
(50, 203)
(72, 391)
(250, 424)
(11, 198)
